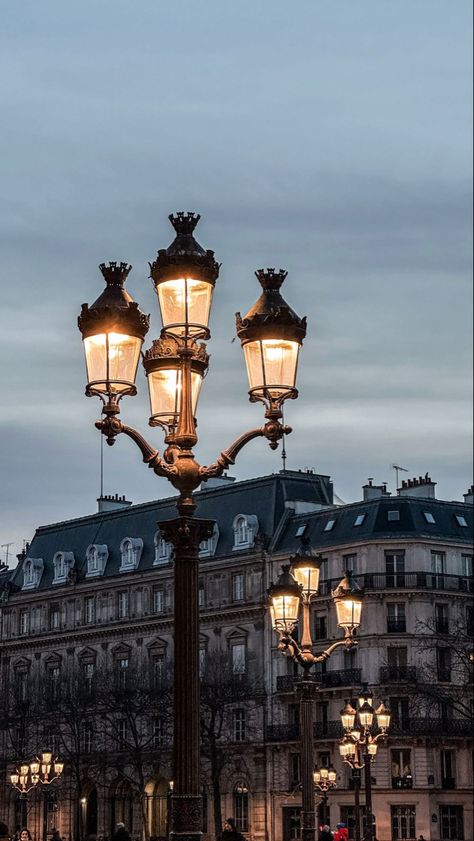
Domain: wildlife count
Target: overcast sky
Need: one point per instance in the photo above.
(330, 139)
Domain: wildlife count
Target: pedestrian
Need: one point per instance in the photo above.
(25, 835)
(341, 833)
(326, 834)
(121, 833)
(230, 832)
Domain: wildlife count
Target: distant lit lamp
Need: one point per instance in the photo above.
(348, 601)
(284, 599)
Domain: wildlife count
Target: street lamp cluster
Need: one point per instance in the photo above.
(358, 748)
(291, 595)
(37, 772)
(113, 330)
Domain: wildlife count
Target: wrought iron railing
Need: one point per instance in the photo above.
(449, 728)
(397, 674)
(405, 581)
(339, 677)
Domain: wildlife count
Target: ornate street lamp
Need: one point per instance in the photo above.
(358, 749)
(296, 588)
(113, 330)
(324, 780)
(41, 771)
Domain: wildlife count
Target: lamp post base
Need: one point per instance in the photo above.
(186, 818)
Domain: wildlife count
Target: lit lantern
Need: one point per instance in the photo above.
(316, 777)
(24, 769)
(305, 569)
(383, 717)
(113, 329)
(271, 335)
(284, 600)
(14, 778)
(164, 376)
(324, 773)
(58, 768)
(348, 715)
(35, 779)
(347, 749)
(332, 776)
(34, 767)
(348, 601)
(365, 695)
(366, 714)
(184, 275)
(372, 748)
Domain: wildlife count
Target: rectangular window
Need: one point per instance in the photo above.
(401, 769)
(24, 623)
(158, 665)
(54, 617)
(87, 736)
(448, 769)
(397, 657)
(441, 619)
(238, 592)
(451, 820)
(21, 686)
(202, 595)
(158, 600)
(395, 569)
(88, 673)
(466, 565)
(301, 530)
(238, 659)
(438, 562)
(294, 769)
(158, 732)
(393, 516)
(403, 823)
(400, 709)
(324, 759)
(89, 610)
(396, 619)
(443, 657)
(239, 725)
(461, 521)
(202, 660)
(359, 519)
(53, 678)
(329, 525)
(349, 563)
(121, 671)
(429, 517)
(122, 732)
(291, 820)
(123, 603)
(321, 627)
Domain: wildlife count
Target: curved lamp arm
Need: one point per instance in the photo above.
(273, 431)
(111, 426)
(288, 646)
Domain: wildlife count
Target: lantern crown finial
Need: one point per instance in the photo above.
(115, 274)
(271, 317)
(271, 279)
(184, 255)
(184, 223)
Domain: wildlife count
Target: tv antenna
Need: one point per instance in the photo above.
(397, 469)
(6, 546)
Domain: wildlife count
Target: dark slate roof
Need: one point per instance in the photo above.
(264, 497)
(376, 526)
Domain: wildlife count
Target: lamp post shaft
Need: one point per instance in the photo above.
(186, 533)
(369, 832)
(307, 689)
(356, 779)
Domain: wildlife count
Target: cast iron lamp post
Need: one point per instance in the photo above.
(358, 747)
(296, 588)
(113, 331)
(31, 774)
(324, 780)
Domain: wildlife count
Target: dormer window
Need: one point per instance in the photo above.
(245, 529)
(329, 525)
(461, 521)
(63, 562)
(207, 549)
(32, 572)
(162, 550)
(131, 549)
(96, 559)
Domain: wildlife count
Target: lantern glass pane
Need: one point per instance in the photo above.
(372, 749)
(383, 720)
(24, 770)
(164, 386)
(332, 776)
(348, 612)
(285, 613)
(112, 360)
(271, 365)
(324, 773)
(348, 719)
(34, 766)
(185, 304)
(366, 718)
(308, 577)
(316, 776)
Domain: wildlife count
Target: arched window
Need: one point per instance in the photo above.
(96, 559)
(208, 547)
(245, 529)
(130, 553)
(162, 549)
(241, 806)
(32, 572)
(63, 562)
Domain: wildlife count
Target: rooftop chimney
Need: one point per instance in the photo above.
(372, 491)
(111, 502)
(469, 496)
(423, 487)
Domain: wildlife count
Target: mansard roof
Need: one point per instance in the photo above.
(265, 497)
(412, 523)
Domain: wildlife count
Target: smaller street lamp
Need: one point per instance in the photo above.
(324, 780)
(37, 772)
(359, 746)
(296, 588)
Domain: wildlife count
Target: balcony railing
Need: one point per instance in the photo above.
(405, 581)
(340, 677)
(397, 674)
(396, 626)
(452, 728)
